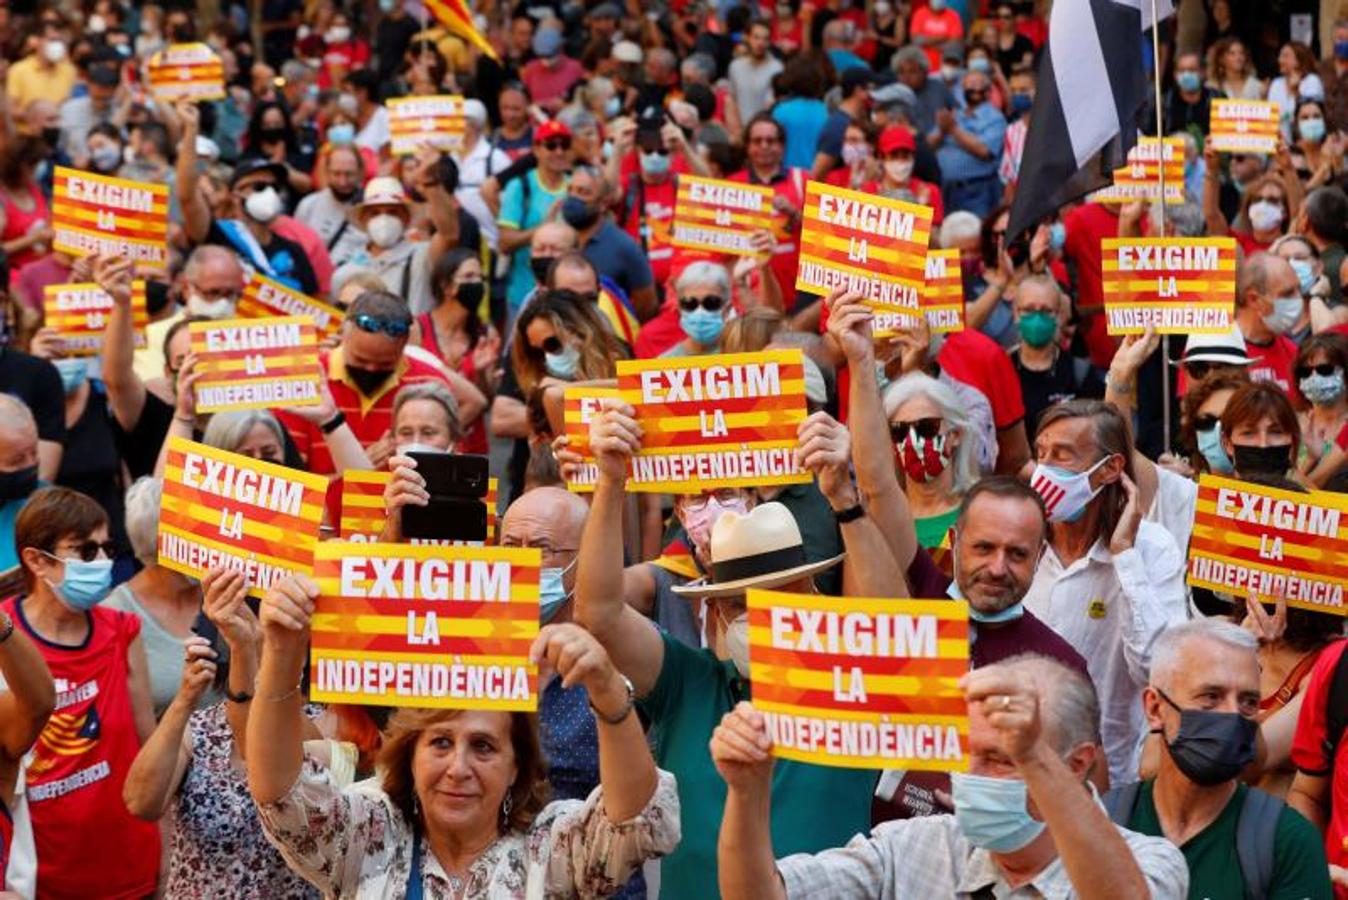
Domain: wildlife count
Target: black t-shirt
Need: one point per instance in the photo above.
(288, 259)
(140, 445)
(1067, 379)
(91, 463)
(391, 40)
(1015, 56)
(37, 383)
(519, 452)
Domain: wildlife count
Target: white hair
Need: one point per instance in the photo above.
(1067, 699)
(142, 516)
(475, 111)
(15, 414)
(228, 430)
(704, 272)
(1165, 653)
(964, 463)
(960, 226)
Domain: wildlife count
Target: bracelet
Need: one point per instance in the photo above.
(8, 627)
(1117, 387)
(851, 514)
(286, 696)
(331, 425)
(190, 423)
(622, 714)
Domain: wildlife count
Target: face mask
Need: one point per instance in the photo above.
(76, 369)
(271, 135)
(263, 206)
(1066, 493)
(697, 523)
(1057, 237)
(1210, 445)
(1305, 270)
(1341, 49)
(1265, 216)
(385, 230)
(562, 365)
(342, 133)
(1211, 747)
(105, 158)
(980, 64)
(338, 35)
(54, 51)
(97, 24)
(950, 72)
(1021, 104)
(703, 326)
(1037, 328)
(577, 213)
(552, 594)
(1312, 130)
(1286, 311)
(1269, 460)
(991, 813)
(17, 485)
(1010, 614)
(367, 380)
(85, 583)
(1188, 81)
(539, 265)
(1322, 389)
(899, 170)
(923, 459)
(612, 106)
(51, 136)
(387, 6)
(855, 154)
(469, 294)
(655, 165)
(736, 641)
(936, 5)
(198, 305)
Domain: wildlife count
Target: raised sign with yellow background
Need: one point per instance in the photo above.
(186, 72)
(448, 628)
(715, 421)
(227, 510)
(1244, 126)
(942, 300)
(263, 298)
(1248, 537)
(1140, 177)
(1174, 285)
(256, 363)
(363, 513)
(579, 405)
(720, 216)
(414, 122)
(79, 313)
(861, 683)
(109, 216)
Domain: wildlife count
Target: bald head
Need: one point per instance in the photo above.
(552, 520)
(1264, 275)
(552, 239)
(18, 435)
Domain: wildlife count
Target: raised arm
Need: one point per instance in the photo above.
(275, 738)
(29, 696)
(741, 750)
(184, 410)
(196, 215)
(343, 445)
(1212, 186)
(225, 604)
(126, 392)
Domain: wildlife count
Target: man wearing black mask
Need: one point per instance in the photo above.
(18, 468)
(613, 251)
(1202, 702)
(328, 212)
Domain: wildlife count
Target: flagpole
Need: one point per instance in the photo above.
(1160, 167)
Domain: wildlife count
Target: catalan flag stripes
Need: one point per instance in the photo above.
(1140, 178)
(1244, 126)
(79, 313)
(434, 120)
(110, 216)
(256, 363)
(458, 18)
(186, 72)
(1175, 285)
(264, 298)
(720, 216)
(580, 403)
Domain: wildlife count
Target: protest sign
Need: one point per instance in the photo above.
(1175, 285)
(859, 682)
(430, 120)
(226, 510)
(715, 421)
(942, 300)
(1140, 177)
(363, 513)
(449, 628)
(79, 313)
(580, 404)
(721, 216)
(865, 243)
(256, 363)
(263, 298)
(1248, 537)
(186, 72)
(109, 216)
(1244, 126)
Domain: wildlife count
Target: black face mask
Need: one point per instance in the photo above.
(51, 136)
(18, 484)
(1269, 460)
(271, 135)
(1211, 747)
(156, 297)
(540, 265)
(470, 293)
(367, 380)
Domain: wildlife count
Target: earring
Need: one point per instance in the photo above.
(507, 805)
(416, 810)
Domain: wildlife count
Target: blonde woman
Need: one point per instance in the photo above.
(559, 338)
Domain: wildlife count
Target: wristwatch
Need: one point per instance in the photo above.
(627, 707)
(331, 425)
(851, 514)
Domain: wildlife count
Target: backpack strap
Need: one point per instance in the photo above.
(1255, 830)
(332, 242)
(1119, 802)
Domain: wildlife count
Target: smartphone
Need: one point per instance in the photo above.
(457, 511)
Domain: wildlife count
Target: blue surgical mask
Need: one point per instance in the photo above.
(1312, 130)
(1341, 50)
(1322, 389)
(342, 133)
(991, 812)
(980, 64)
(1305, 270)
(612, 106)
(655, 165)
(552, 593)
(1057, 237)
(1210, 445)
(702, 325)
(1021, 104)
(387, 6)
(1010, 614)
(562, 365)
(1188, 81)
(73, 372)
(85, 584)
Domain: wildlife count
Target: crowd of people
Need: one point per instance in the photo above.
(1128, 734)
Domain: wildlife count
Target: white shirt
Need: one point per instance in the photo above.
(327, 215)
(375, 134)
(1310, 87)
(1173, 506)
(482, 161)
(1111, 609)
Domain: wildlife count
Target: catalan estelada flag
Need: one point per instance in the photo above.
(458, 18)
(615, 306)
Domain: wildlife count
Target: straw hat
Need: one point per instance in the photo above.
(760, 549)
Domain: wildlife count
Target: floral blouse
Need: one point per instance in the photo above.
(355, 843)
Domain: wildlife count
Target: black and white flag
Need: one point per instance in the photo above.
(1092, 83)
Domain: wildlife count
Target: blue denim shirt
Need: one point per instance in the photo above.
(984, 122)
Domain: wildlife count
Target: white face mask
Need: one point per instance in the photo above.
(1286, 311)
(54, 51)
(384, 229)
(899, 170)
(1265, 216)
(97, 24)
(338, 34)
(198, 305)
(1066, 493)
(736, 641)
(264, 205)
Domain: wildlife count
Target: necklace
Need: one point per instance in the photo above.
(456, 886)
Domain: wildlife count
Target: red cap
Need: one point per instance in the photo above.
(550, 129)
(896, 137)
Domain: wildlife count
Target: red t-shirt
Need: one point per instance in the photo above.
(475, 439)
(1308, 752)
(790, 184)
(1086, 226)
(1273, 362)
(977, 360)
(88, 844)
(942, 27)
(1248, 245)
(924, 192)
(650, 207)
(339, 59)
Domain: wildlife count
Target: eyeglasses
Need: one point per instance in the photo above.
(557, 144)
(394, 328)
(551, 345)
(88, 550)
(1206, 422)
(226, 294)
(765, 141)
(256, 187)
(696, 502)
(711, 303)
(926, 427)
(1323, 369)
(1198, 370)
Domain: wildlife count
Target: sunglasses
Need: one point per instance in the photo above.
(662, 150)
(927, 427)
(1198, 370)
(560, 144)
(1206, 422)
(1323, 369)
(257, 187)
(394, 328)
(696, 502)
(551, 345)
(88, 550)
(711, 303)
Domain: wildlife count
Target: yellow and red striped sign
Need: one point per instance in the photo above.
(79, 312)
(1140, 178)
(720, 216)
(865, 243)
(363, 513)
(263, 298)
(1244, 126)
(1175, 285)
(580, 404)
(942, 299)
(416, 121)
(227, 510)
(1248, 537)
(859, 682)
(727, 420)
(449, 628)
(256, 363)
(186, 72)
(109, 216)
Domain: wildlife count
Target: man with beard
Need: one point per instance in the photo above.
(328, 212)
